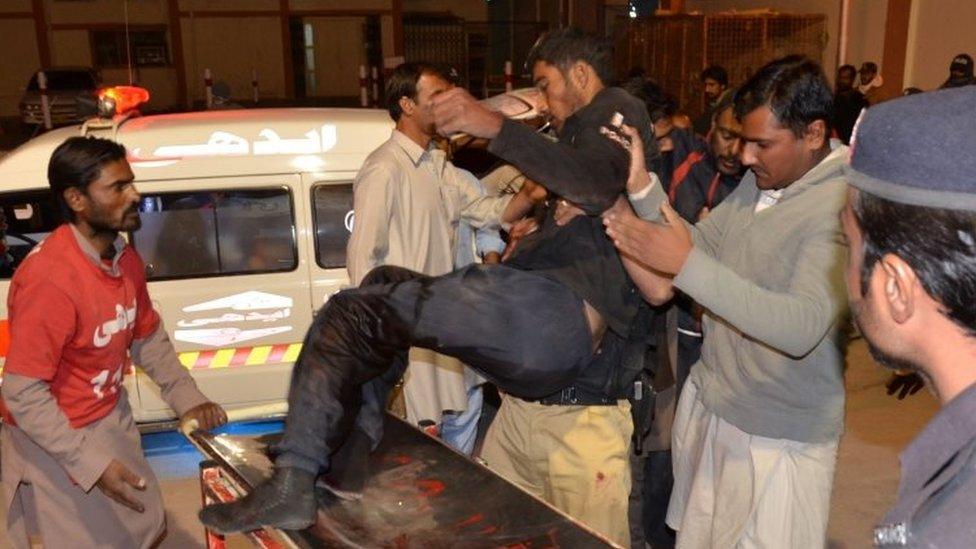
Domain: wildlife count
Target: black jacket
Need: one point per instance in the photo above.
(588, 169)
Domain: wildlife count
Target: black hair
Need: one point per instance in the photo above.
(716, 73)
(848, 68)
(660, 104)
(637, 72)
(77, 163)
(403, 83)
(939, 245)
(563, 47)
(794, 88)
(871, 66)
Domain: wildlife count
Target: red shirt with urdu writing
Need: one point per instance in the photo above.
(72, 323)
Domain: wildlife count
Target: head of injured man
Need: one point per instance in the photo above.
(910, 222)
(570, 67)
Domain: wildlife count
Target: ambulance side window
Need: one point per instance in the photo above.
(333, 223)
(216, 233)
(27, 217)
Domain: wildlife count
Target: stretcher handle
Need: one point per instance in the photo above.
(240, 414)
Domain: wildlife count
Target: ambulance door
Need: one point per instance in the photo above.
(228, 273)
(331, 216)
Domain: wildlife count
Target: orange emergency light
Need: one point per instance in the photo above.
(120, 99)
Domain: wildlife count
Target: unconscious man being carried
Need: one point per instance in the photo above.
(532, 326)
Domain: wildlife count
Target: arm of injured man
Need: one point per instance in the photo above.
(591, 172)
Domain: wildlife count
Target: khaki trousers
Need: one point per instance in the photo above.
(733, 489)
(42, 499)
(574, 457)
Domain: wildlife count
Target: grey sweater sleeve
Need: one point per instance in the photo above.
(37, 414)
(794, 321)
(705, 234)
(156, 356)
(591, 173)
(648, 206)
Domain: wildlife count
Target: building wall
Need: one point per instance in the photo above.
(248, 36)
(338, 50)
(71, 47)
(16, 35)
(939, 30)
(217, 43)
(866, 31)
(100, 11)
(469, 10)
(238, 5)
(298, 5)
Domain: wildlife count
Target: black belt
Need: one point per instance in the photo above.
(575, 396)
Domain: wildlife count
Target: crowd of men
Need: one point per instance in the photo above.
(707, 268)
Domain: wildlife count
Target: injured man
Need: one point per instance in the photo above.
(532, 325)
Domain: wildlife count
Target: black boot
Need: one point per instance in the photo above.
(286, 500)
(349, 468)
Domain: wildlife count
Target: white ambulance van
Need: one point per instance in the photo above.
(245, 219)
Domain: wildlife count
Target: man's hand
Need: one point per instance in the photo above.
(115, 482)
(519, 229)
(663, 247)
(457, 111)
(534, 191)
(565, 212)
(207, 416)
(908, 384)
(638, 179)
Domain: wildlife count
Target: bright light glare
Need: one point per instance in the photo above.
(308, 163)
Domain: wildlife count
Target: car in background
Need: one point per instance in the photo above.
(64, 86)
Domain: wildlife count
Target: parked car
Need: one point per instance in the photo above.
(64, 86)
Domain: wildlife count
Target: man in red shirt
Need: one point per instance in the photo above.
(78, 310)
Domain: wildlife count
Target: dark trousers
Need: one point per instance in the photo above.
(524, 332)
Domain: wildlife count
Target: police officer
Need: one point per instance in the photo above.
(911, 224)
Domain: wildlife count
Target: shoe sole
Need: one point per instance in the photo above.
(297, 525)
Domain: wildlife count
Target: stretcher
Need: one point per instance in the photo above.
(420, 493)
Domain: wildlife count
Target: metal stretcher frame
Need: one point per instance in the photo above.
(420, 493)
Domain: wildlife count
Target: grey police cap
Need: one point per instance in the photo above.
(918, 150)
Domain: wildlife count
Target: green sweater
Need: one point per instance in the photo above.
(772, 284)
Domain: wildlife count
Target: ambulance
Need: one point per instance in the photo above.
(245, 219)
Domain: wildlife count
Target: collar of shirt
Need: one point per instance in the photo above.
(92, 254)
(953, 428)
(768, 199)
(418, 154)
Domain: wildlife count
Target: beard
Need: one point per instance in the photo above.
(890, 362)
(102, 222)
(884, 359)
